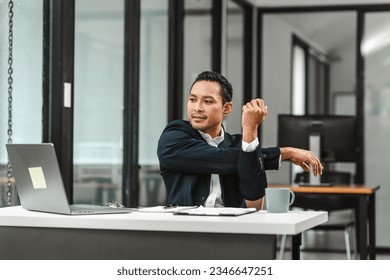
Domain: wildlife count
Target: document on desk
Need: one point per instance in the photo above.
(218, 211)
(165, 209)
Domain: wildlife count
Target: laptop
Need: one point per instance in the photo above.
(39, 182)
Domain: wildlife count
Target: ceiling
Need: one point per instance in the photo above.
(294, 3)
(330, 30)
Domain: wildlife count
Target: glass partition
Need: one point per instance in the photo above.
(376, 52)
(280, 77)
(197, 43)
(153, 98)
(26, 86)
(98, 101)
(235, 63)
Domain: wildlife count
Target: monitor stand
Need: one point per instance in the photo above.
(315, 148)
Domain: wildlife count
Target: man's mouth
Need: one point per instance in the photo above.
(199, 117)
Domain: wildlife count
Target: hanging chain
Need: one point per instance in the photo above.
(10, 83)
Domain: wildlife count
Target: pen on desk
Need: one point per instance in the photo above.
(170, 206)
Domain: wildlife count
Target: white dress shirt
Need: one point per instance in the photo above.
(215, 196)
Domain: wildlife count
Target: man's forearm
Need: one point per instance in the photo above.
(249, 134)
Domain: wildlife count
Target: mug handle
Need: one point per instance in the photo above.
(292, 197)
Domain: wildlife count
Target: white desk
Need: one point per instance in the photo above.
(34, 235)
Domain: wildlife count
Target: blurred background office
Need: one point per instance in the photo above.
(101, 79)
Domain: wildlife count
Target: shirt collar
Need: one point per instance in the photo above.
(217, 140)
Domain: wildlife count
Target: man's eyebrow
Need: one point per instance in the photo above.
(204, 96)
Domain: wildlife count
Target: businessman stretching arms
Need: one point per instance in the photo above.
(202, 164)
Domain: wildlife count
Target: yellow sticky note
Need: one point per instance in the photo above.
(37, 177)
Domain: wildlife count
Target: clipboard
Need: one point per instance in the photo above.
(217, 211)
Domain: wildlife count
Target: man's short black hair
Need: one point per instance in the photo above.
(226, 86)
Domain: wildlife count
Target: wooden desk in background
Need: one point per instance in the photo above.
(365, 210)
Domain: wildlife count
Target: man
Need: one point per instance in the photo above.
(202, 164)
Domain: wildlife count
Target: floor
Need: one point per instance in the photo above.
(334, 256)
(318, 254)
(324, 246)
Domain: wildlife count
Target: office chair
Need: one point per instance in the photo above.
(327, 203)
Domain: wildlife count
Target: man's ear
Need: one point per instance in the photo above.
(227, 108)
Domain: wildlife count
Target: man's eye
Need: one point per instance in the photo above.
(208, 101)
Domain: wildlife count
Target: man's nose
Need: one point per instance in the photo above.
(198, 106)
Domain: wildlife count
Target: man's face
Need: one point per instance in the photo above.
(204, 107)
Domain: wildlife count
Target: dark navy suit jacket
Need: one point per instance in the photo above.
(187, 162)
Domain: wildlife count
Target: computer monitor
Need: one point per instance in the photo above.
(336, 135)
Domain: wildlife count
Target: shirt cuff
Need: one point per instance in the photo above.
(280, 160)
(250, 147)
